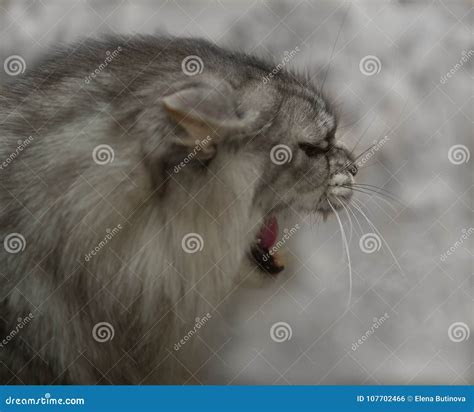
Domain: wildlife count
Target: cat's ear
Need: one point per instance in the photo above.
(207, 109)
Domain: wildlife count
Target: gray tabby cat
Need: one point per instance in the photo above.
(137, 191)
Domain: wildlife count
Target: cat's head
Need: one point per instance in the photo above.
(283, 133)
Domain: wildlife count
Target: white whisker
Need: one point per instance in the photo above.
(358, 207)
(349, 218)
(374, 194)
(346, 245)
(387, 202)
(356, 219)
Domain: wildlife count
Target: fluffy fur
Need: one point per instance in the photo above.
(142, 281)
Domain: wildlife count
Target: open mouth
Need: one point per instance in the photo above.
(263, 251)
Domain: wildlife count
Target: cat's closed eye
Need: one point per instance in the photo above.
(313, 150)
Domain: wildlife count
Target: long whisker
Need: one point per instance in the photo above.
(356, 219)
(362, 153)
(392, 208)
(381, 189)
(334, 47)
(346, 245)
(348, 218)
(368, 127)
(382, 194)
(355, 189)
(376, 196)
(369, 190)
(365, 191)
(358, 207)
(366, 166)
(390, 130)
(363, 134)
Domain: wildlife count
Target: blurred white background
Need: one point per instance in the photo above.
(406, 99)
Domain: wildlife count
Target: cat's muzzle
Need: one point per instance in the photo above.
(338, 193)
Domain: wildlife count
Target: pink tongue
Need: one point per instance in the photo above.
(269, 232)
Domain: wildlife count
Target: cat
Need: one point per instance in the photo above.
(143, 181)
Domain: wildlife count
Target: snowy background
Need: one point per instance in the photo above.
(421, 295)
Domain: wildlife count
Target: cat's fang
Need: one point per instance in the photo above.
(278, 260)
